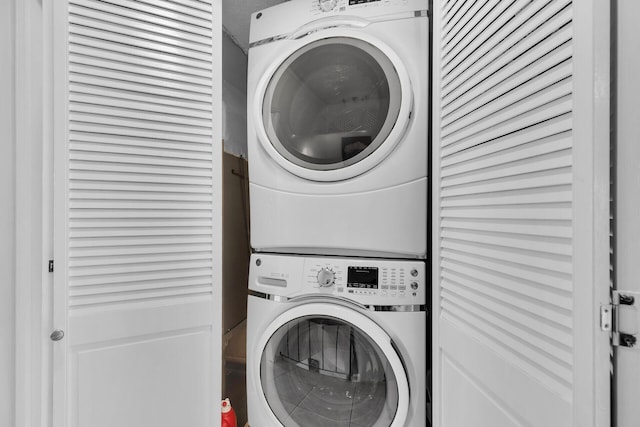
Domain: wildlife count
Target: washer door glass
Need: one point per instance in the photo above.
(332, 103)
(321, 371)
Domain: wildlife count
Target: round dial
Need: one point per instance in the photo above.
(326, 277)
(327, 5)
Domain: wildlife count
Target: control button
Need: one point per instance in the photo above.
(414, 272)
(414, 285)
(402, 288)
(401, 294)
(393, 287)
(393, 294)
(383, 293)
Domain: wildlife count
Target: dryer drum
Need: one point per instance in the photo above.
(353, 120)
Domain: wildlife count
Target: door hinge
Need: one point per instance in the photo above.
(50, 266)
(622, 319)
(606, 317)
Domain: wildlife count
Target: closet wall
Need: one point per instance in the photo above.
(7, 217)
(236, 246)
(235, 185)
(627, 198)
(234, 97)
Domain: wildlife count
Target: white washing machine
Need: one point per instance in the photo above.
(336, 342)
(337, 127)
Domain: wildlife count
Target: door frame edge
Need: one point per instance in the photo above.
(591, 213)
(33, 214)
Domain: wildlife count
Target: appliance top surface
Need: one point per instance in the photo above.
(285, 18)
(367, 281)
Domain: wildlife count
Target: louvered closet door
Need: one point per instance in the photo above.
(136, 213)
(520, 243)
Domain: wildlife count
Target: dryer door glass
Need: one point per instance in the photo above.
(318, 371)
(332, 103)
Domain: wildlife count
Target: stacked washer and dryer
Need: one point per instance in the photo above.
(337, 134)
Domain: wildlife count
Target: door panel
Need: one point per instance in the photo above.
(481, 371)
(152, 380)
(520, 177)
(137, 213)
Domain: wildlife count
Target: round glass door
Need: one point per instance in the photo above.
(320, 371)
(332, 103)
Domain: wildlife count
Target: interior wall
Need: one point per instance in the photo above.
(236, 248)
(7, 216)
(234, 98)
(628, 198)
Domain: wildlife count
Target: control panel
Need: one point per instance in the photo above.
(280, 21)
(324, 6)
(367, 281)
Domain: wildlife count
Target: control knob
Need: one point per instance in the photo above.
(326, 277)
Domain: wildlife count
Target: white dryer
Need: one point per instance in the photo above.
(336, 342)
(337, 127)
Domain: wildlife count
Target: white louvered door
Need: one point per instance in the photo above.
(137, 213)
(520, 153)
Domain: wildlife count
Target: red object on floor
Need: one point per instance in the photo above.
(228, 414)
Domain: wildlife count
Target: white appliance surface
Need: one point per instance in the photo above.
(338, 150)
(336, 341)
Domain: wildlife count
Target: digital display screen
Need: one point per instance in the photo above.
(362, 277)
(352, 2)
